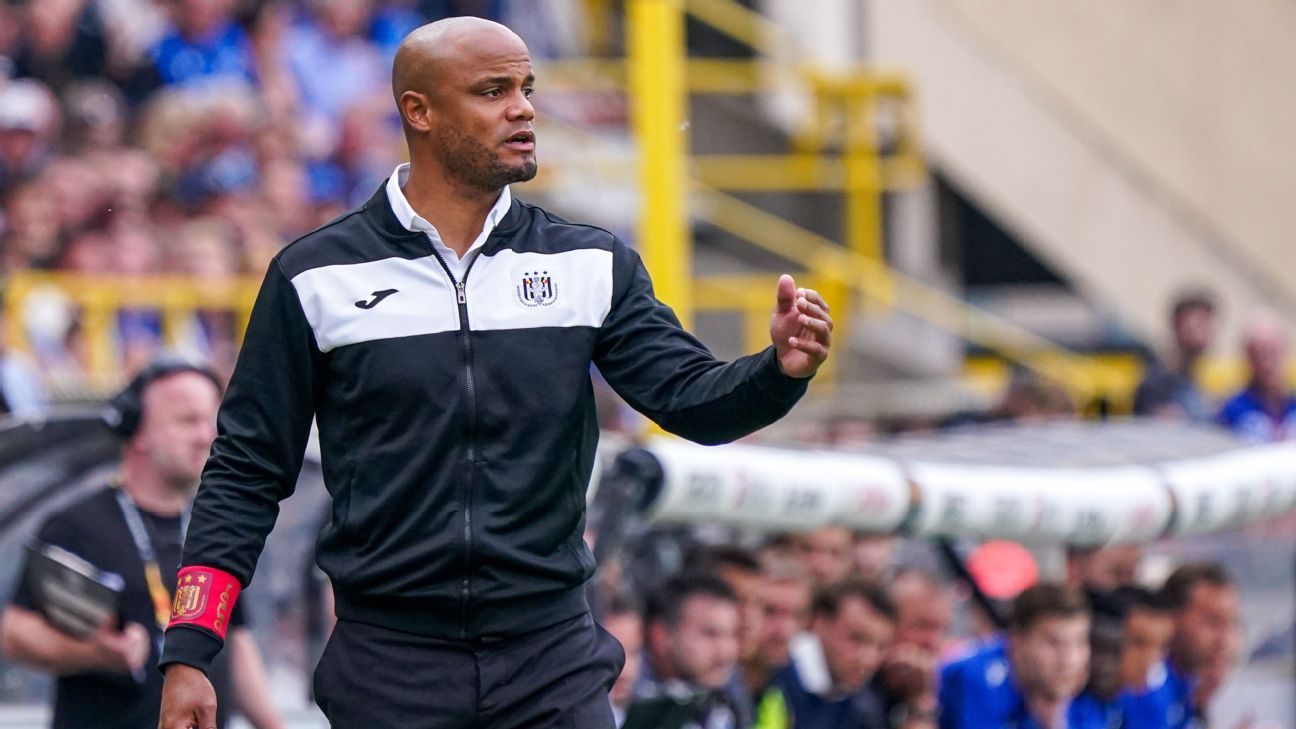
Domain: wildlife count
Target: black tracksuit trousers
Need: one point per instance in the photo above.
(553, 678)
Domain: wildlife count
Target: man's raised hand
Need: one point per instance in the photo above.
(800, 329)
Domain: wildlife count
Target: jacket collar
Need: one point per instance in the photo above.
(378, 211)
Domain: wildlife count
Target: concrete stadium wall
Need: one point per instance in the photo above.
(1196, 95)
(1137, 147)
(1123, 142)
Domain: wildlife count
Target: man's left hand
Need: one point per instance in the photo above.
(800, 329)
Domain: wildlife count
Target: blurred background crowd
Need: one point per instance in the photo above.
(830, 629)
(194, 138)
(152, 141)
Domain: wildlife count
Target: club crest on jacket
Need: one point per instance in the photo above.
(536, 288)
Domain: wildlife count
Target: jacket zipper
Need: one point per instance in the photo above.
(461, 298)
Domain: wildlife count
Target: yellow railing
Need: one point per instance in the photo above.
(655, 38)
(841, 148)
(843, 273)
(838, 150)
(97, 303)
(661, 78)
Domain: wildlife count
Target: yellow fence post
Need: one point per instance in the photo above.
(598, 19)
(15, 334)
(655, 36)
(863, 178)
(834, 294)
(97, 322)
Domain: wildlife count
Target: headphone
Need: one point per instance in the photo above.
(125, 410)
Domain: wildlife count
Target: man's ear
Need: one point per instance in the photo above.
(416, 110)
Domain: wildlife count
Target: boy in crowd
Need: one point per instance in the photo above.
(1029, 680)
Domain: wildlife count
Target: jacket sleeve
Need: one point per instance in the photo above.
(668, 375)
(262, 428)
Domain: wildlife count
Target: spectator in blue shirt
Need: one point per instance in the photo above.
(1205, 642)
(1131, 630)
(343, 106)
(1030, 680)
(1266, 410)
(204, 46)
(334, 36)
(977, 686)
(1149, 625)
(1102, 696)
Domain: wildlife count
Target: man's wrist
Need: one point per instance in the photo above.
(774, 381)
(189, 645)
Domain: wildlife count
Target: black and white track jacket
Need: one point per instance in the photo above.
(456, 417)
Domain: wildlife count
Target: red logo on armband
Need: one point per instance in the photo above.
(194, 602)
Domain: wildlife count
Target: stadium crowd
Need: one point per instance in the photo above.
(198, 136)
(828, 629)
(194, 137)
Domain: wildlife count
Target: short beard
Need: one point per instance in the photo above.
(475, 165)
(182, 482)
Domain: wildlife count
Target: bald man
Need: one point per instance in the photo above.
(1266, 410)
(441, 336)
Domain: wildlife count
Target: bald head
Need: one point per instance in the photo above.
(431, 52)
(1266, 349)
(463, 88)
(1265, 330)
